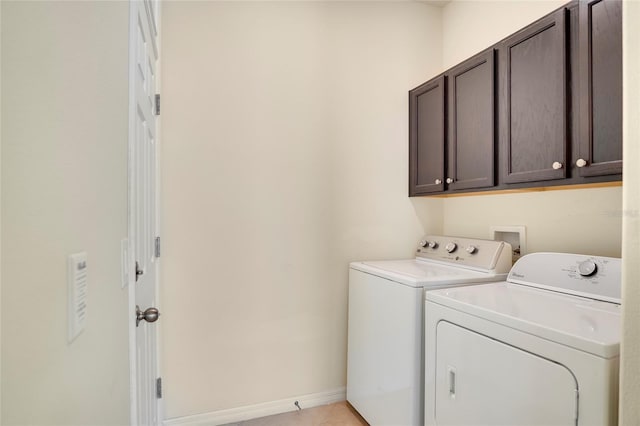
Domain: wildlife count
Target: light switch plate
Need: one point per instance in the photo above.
(77, 289)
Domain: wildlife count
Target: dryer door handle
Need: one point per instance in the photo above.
(451, 373)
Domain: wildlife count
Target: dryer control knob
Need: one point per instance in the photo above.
(423, 243)
(587, 268)
(472, 249)
(433, 244)
(451, 247)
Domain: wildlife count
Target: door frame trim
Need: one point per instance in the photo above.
(134, 5)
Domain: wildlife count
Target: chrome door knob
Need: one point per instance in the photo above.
(581, 162)
(150, 315)
(556, 165)
(438, 181)
(449, 180)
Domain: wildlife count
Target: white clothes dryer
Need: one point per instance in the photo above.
(541, 348)
(385, 361)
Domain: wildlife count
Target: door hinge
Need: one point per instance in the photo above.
(157, 104)
(159, 387)
(157, 247)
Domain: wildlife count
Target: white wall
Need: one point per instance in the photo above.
(284, 158)
(630, 363)
(64, 190)
(581, 220)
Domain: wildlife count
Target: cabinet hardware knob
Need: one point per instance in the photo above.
(581, 162)
(438, 181)
(449, 180)
(556, 165)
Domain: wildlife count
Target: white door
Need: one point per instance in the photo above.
(143, 57)
(481, 381)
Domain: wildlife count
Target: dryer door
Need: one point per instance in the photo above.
(481, 381)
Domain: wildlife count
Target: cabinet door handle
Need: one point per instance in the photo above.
(449, 180)
(556, 165)
(581, 162)
(438, 181)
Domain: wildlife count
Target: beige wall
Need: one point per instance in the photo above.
(64, 190)
(284, 158)
(630, 365)
(470, 26)
(580, 221)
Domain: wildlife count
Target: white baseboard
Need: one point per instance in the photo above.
(259, 410)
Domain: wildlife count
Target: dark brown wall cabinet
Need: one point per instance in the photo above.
(457, 130)
(600, 56)
(543, 107)
(471, 111)
(533, 102)
(427, 137)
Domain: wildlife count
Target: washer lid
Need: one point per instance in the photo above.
(588, 325)
(422, 273)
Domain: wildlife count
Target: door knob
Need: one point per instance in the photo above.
(449, 180)
(438, 181)
(581, 162)
(556, 165)
(150, 315)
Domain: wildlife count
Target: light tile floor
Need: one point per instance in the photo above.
(338, 414)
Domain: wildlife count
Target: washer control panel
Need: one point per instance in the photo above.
(470, 252)
(596, 277)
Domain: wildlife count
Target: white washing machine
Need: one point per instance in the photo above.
(541, 348)
(385, 365)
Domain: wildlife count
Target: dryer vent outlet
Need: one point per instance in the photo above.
(515, 235)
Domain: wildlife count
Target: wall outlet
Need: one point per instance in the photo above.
(516, 235)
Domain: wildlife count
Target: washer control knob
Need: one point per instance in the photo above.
(472, 249)
(451, 247)
(587, 268)
(581, 162)
(433, 244)
(423, 243)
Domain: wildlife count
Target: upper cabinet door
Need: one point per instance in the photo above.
(600, 38)
(533, 102)
(471, 116)
(427, 137)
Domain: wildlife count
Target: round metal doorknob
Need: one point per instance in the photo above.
(449, 180)
(149, 315)
(556, 165)
(581, 162)
(438, 181)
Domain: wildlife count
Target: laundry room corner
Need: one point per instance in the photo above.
(577, 220)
